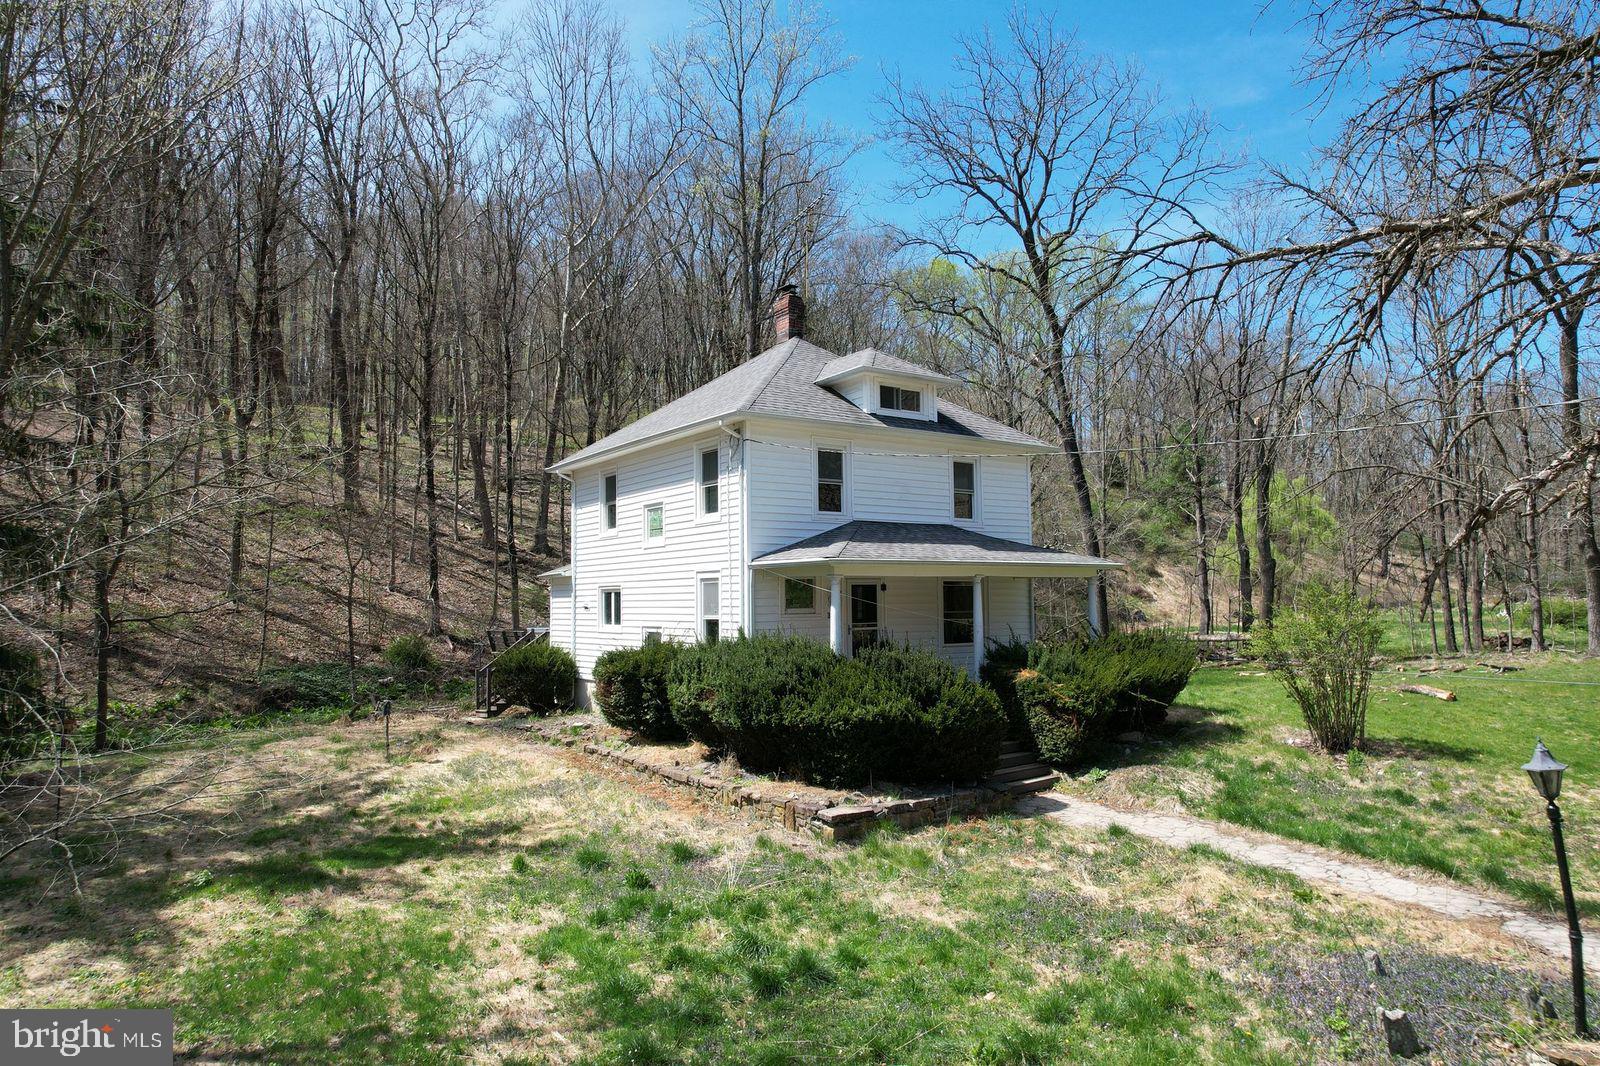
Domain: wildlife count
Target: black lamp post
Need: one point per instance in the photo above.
(1546, 775)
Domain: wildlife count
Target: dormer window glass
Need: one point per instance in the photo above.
(894, 398)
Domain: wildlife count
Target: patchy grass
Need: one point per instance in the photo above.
(480, 899)
(1439, 785)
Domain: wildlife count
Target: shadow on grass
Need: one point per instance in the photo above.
(1418, 748)
(1189, 729)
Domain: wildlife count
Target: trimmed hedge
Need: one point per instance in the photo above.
(630, 688)
(787, 704)
(1071, 694)
(538, 676)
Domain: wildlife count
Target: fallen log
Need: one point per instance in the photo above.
(1429, 690)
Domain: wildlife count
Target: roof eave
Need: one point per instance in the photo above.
(950, 441)
(933, 568)
(578, 460)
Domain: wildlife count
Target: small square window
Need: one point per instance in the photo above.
(611, 607)
(799, 594)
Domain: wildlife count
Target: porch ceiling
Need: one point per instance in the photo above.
(864, 548)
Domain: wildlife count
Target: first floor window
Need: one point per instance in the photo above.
(830, 480)
(958, 612)
(710, 609)
(708, 481)
(611, 607)
(965, 476)
(799, 594)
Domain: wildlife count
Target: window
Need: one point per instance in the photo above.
(894, 398)
(799, 595)
(708, 481)
(830, 481)
(650, 635)
(958, 612)
(710, 609)
(965, 477)
(655, 523)
(611, 607)
(608, 501)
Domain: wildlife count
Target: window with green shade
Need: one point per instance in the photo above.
(655, 522)
(799, 594)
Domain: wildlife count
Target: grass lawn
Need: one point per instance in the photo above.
(481, 899)
(1438, 787)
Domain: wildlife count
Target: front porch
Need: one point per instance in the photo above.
(942, 587)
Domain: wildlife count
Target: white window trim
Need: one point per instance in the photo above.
(646, 632)
(783, 595)
(700, 613)
(922, 399)
(819, 445)
(602, 594)
(977, 488)
(605, 530)
(644, 524)
(700, 512)
(975, 594)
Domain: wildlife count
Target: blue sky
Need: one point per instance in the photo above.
(1230, 58)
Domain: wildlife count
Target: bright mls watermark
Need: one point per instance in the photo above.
(122, 1037)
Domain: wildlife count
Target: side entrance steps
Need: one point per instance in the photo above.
(1019, 771)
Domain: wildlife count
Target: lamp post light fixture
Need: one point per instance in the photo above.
(1545, 772)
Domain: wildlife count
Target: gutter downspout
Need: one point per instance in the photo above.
(746, 575)
(572, 564)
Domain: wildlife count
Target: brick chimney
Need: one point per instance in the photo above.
(788, 314)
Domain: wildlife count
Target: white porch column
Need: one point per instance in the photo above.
(835, 616)
(1097, 626)
(977, 624)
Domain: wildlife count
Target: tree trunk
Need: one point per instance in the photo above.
(1202, 567)
(1266, 560)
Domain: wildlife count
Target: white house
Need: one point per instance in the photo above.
(838, 497)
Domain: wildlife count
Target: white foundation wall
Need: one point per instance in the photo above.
(659, 582)
(909, 611)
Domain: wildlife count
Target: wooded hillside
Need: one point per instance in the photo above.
(299, 300)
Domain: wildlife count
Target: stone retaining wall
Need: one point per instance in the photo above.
(830, 815)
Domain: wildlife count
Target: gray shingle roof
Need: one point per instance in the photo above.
(782, 381)
(919, 542)
(872, 359)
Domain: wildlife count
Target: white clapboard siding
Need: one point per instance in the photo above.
(659, 582)
(882, 483)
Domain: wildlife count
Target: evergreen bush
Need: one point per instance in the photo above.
(538, 676)
(630, 688)
(411, 657)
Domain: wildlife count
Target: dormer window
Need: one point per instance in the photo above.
(894, 398)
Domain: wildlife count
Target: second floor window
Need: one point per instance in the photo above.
(708, 481)
(894, 398)
(655, 522)
(830, 481)
(608, 501)
(965, 477)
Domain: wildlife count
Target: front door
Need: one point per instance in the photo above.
(863, 615)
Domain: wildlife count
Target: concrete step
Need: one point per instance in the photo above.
(1026, 785)
(1023, 772)
(1012, 747)
(1016, 758)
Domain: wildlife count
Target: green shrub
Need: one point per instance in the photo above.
(1065, 714)
(538, 676)
(308, 686)
(1001, 661)
(787, 704)
(25, 719)
(630, 688)
(1324, 652)
(410, 656)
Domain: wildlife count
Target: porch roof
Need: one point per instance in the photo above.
(911, 548)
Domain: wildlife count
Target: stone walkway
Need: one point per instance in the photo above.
(1349, 875)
